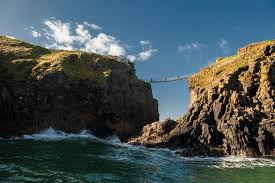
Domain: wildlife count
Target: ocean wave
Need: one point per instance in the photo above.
(231, 162)
(113, 139)
(126, 152)
(52, 134)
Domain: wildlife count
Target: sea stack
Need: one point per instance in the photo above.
(70, 91)
(232, 109)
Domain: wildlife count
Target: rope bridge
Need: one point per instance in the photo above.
(167, 79)
(151, 80)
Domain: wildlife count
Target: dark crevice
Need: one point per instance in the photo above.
(267, 51)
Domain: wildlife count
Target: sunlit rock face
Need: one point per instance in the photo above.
(232, 111)
(70, 91)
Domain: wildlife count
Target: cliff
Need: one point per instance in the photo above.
(70, 91)
(232, 109)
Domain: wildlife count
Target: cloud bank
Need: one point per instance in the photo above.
(67, 36)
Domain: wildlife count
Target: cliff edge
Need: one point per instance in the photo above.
(70, 91)
(232, 109)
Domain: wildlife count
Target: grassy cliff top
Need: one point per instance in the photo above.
(24, 61)
(224, 66)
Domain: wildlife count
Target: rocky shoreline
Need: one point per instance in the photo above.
(232, 109)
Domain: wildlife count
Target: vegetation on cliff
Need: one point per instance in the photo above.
(26, 61)
(232, 110)
(214, 75)
(70, 91)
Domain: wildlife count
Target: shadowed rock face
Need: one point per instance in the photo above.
(70, 91)
(232, 111)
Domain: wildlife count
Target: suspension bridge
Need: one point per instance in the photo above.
(168, 79)
(151, 80)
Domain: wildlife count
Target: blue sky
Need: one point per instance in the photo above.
(166, 38)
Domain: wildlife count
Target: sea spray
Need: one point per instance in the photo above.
(51, 134)
(55, 155)
(125, 151)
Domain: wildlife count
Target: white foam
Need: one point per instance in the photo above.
(241, 162)
(231, 162)
(212, 162)
(51, 134)
(113, 139)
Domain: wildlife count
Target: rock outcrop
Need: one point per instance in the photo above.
(232, 109)
(154, 133)
(70, 91)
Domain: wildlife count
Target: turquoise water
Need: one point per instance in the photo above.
(53, 156)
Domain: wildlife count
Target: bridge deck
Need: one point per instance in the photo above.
(170, 79)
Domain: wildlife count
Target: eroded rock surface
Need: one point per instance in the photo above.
(70, 91)
(153, 134)
(232, 111)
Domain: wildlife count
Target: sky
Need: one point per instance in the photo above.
(162, 38)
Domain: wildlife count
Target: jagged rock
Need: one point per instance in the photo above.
(232, 109)
(152, 134)
(70, 91)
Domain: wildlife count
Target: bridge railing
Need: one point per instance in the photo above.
(167, 79)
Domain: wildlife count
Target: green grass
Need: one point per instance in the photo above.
(24, 61)
(213, 75)
(15, 49)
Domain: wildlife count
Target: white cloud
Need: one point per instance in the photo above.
(35, 34)
(189, 49)
(147, 54)
(93, 26)
(132, 58)
(59, 47)
(59, 33)
(67, 36)
(116, 49)
(223, 44)
(62, 37)
(83, 35)
(104, 44)
(144, 42)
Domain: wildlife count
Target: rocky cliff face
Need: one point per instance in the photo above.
(70, 91)
(232, 111)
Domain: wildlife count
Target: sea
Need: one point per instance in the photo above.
(53, 156)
